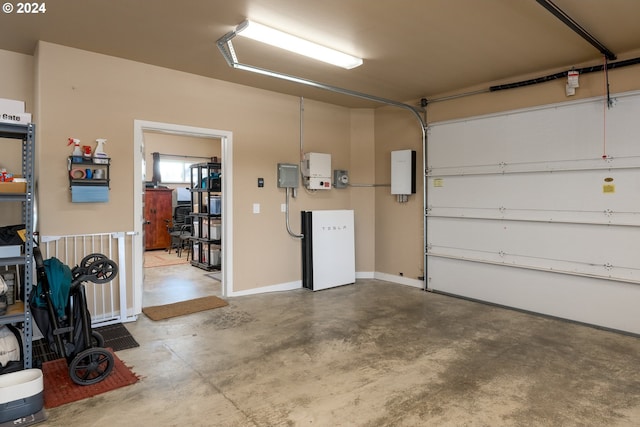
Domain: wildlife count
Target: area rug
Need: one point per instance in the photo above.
(160, 312)
(116, 337)
(59, 388)
(163, 259)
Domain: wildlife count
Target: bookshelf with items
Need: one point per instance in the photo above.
(206, 213)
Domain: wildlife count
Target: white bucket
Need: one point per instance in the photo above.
(21, 394)
(20, 384)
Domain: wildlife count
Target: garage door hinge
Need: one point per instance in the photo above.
(608, 266)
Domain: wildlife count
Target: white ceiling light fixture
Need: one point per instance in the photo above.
(294, 44)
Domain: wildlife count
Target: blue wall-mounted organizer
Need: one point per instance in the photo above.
(89, 181)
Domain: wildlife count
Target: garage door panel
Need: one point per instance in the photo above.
(593, 301)
(594, 196)
(523, 210)
(608, 252)
(563, 131)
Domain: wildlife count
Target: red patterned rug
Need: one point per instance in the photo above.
(60, 389)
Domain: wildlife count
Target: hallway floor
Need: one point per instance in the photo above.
(369, 354)
(164, 285)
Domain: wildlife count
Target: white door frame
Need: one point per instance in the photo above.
(226, 138)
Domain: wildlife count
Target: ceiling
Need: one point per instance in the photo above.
(412, 49)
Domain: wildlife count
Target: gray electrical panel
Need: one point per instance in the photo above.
(340, 178)
(288, 175)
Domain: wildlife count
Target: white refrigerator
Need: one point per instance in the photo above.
(328, 249)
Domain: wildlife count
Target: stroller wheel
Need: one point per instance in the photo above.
(102, 271)
(91, 366)
(91, 258)
(96, 339)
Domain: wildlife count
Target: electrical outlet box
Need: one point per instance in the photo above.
(340, 178)
(316, 169)
(403, 172)
(287, 175)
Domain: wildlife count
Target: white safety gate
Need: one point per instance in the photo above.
(108, 303)
(539, 210)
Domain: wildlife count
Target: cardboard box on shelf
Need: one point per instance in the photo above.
(13, 187)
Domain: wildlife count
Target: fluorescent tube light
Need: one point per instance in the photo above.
(297, 45)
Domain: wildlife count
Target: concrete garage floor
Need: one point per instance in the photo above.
(369, 354)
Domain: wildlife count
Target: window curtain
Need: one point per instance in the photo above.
(156, 169)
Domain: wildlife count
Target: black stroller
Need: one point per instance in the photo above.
(65, 322)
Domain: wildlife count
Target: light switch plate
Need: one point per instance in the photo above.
(256, 208)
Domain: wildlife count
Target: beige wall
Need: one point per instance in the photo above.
(399, 227)
(88, 96)
(17, 78)
(362, 176)
(16, 83)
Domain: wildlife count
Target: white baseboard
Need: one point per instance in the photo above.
(414, 283)
(289, 286)
(365, 274)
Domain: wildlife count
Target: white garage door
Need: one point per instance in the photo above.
(524, 211)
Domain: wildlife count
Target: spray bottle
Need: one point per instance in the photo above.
(99, 156)
(77, 151)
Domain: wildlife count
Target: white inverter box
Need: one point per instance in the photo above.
(403, 172)
(316, 169)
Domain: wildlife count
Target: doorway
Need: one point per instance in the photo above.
(225, 139)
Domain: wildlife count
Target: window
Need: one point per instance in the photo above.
(175, 171)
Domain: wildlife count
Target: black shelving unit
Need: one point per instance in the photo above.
(19, 313)
(206, 214)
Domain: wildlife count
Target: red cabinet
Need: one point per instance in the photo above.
(158, 203)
